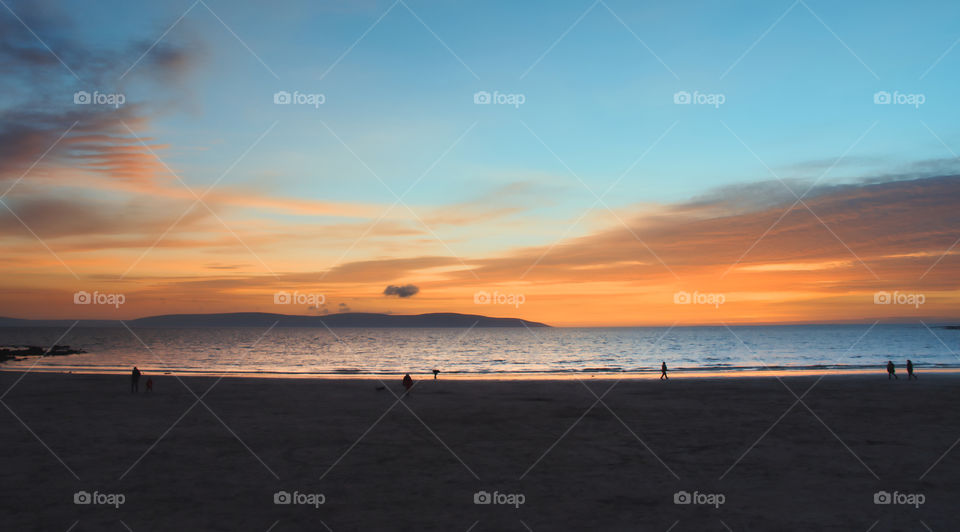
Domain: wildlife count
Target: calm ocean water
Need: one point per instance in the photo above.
(492, 350)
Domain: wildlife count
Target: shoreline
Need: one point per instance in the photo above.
(505, 376)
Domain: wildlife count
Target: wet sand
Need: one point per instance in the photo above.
(556, 457)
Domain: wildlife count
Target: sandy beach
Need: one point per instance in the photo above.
(545, 454)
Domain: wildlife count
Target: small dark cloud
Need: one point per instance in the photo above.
(342, 307)
(406, 290)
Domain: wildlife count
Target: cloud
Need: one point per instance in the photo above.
(898, 229)
(225, 266)
(884, 225)
(503, 201)
(39, 108)
(343, 307)
(368, 270)
(406, 290)
(60, 216)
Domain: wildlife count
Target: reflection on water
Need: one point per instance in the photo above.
(493, 350)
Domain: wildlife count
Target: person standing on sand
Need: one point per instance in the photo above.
(407, 382)
(891, 370)
(910, 374)
(663, 370)
(135, 380)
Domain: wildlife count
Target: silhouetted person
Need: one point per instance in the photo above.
(663, 371)
(891, 370)
(135, 380)
(910, 374)
(435, 373)
(407, 382)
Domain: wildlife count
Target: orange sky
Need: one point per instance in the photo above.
(201, 195)
(825, 261)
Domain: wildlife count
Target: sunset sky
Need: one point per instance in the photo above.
(787, 190)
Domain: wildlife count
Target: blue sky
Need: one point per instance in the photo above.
(598, 98)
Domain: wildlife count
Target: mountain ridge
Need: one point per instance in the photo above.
(267, 319)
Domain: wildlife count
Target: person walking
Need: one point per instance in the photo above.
(891, 371)
(135, 380)
(663, 370)
(910, 375)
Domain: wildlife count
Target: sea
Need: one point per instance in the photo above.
(519, 351)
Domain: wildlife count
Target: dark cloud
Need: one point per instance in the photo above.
(745, 197)
(818, 166)
(44, 131)
(897, 228)
(70, 58)
(343, 307)
(406, 290)
(38, 105)
(55, 217)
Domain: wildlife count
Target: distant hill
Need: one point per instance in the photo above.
(264, 319)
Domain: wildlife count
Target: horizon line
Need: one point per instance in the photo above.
(895, 320)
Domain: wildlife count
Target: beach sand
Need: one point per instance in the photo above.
(382, 466)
